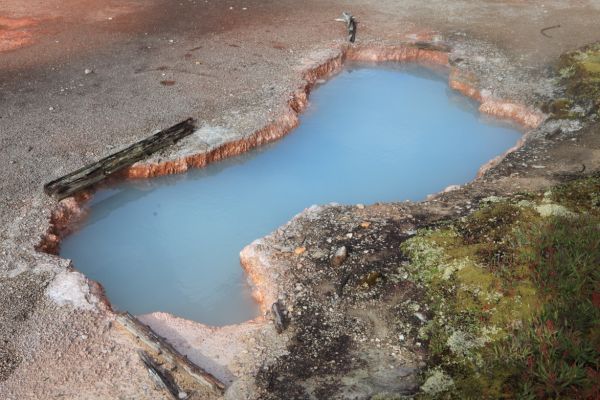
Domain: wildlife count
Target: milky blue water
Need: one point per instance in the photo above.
(370, 134)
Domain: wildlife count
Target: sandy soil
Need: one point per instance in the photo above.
(234, 65)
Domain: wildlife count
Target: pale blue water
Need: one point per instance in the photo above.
(370, 135)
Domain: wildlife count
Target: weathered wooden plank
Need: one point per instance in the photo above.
(161, 346)
(97, 171)
(162, 378)
(279, 318)
(350, 22)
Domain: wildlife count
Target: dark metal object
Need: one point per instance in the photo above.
(95, 172)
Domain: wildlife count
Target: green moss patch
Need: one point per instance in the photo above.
(582, 195)
(579, 74)
(514, 298)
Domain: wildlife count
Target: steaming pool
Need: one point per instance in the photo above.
(371, 134)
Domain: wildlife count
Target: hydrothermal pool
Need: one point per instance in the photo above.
(370, 134)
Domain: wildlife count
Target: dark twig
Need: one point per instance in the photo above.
(543, 31)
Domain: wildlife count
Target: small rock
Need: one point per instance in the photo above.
(318, 254)
(360, 206)
(182, 395)
(299, 250)
(451, 188)
(421, 317)
(87, 71)
(339, 257)
(365, 224)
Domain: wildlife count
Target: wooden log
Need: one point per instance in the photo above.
(97, 171)
(350, 22)
(161, 346)
(279, 318)
(162, 378)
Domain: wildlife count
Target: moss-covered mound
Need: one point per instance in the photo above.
(514, 290)
(579, 75)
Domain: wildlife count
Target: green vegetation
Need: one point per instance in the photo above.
(579, 74)
(514, 294)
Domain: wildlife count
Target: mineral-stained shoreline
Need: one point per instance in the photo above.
(358, 327)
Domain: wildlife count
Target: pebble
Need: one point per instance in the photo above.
(299, 250)
(318, 254)
(339, 257)
(87, 71)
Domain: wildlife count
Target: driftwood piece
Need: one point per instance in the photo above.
(279, 318)
(350, 22)
(97, 171)
(161, 346)
(444, 48)
(162, 378)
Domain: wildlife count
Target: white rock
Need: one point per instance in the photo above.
(70, 288)
(421, 317)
